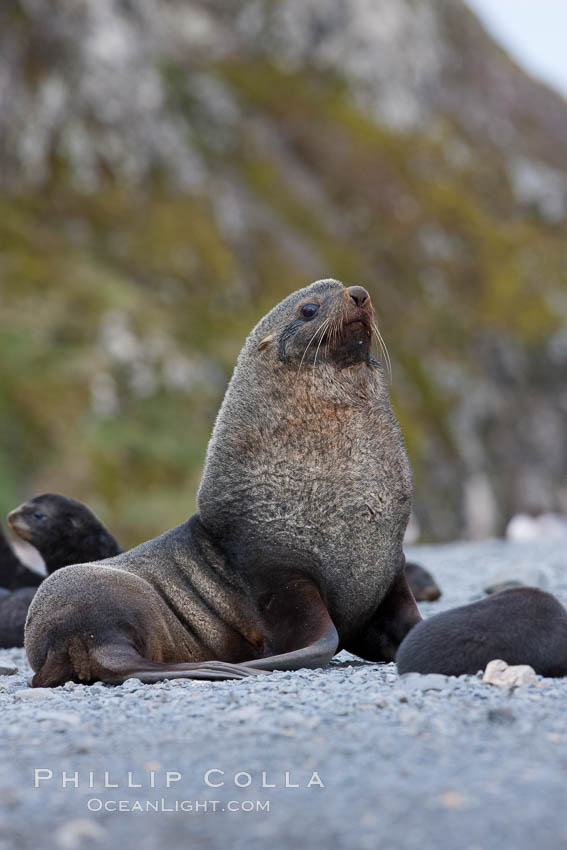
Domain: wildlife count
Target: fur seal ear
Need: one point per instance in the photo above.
(265, 342)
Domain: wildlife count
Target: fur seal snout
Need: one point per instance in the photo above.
(297, 547)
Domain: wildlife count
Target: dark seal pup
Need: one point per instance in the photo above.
(422, 584)
(296, 550)
(13, 612)
(521, 626)
(65, 532)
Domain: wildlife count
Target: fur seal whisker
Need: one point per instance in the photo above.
(317, 352)
(322, 328)
(384, 349)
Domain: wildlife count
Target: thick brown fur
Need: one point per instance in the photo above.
(297, 545)
(521, 626)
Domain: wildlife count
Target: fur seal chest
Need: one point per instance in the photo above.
(296, 550)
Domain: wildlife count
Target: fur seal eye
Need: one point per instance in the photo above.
(309, 310)
(39, 515)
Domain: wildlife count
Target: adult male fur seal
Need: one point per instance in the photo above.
(297, 547)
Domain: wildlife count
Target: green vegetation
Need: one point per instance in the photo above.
(446, 251)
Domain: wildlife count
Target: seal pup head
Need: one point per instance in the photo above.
(63, 530)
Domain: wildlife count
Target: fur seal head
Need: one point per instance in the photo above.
(63, 530)
(324, 323)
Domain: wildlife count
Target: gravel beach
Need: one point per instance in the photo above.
(347, 757)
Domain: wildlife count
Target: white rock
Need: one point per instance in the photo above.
(501, 674)
(35, 693)
(7, 668)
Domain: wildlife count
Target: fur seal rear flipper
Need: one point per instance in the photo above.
(296, 550)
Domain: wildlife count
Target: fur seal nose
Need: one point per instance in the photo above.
(358, 294)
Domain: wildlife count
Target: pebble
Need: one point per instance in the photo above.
(33, 694)
(501, 716)
(429, 682)
(429, 757)
(131, 685)
(61, 718)
(79, 833)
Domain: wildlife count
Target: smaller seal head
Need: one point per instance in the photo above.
(63, 530)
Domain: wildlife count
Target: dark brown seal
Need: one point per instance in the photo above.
(297, 547)
(65, 532)
(521, 626)
(422, 584)
(14, 606)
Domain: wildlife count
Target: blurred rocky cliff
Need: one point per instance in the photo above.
(171, 169)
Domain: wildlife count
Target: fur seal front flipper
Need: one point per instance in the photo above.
(396, 615)
(297, 547)
(286, 628)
